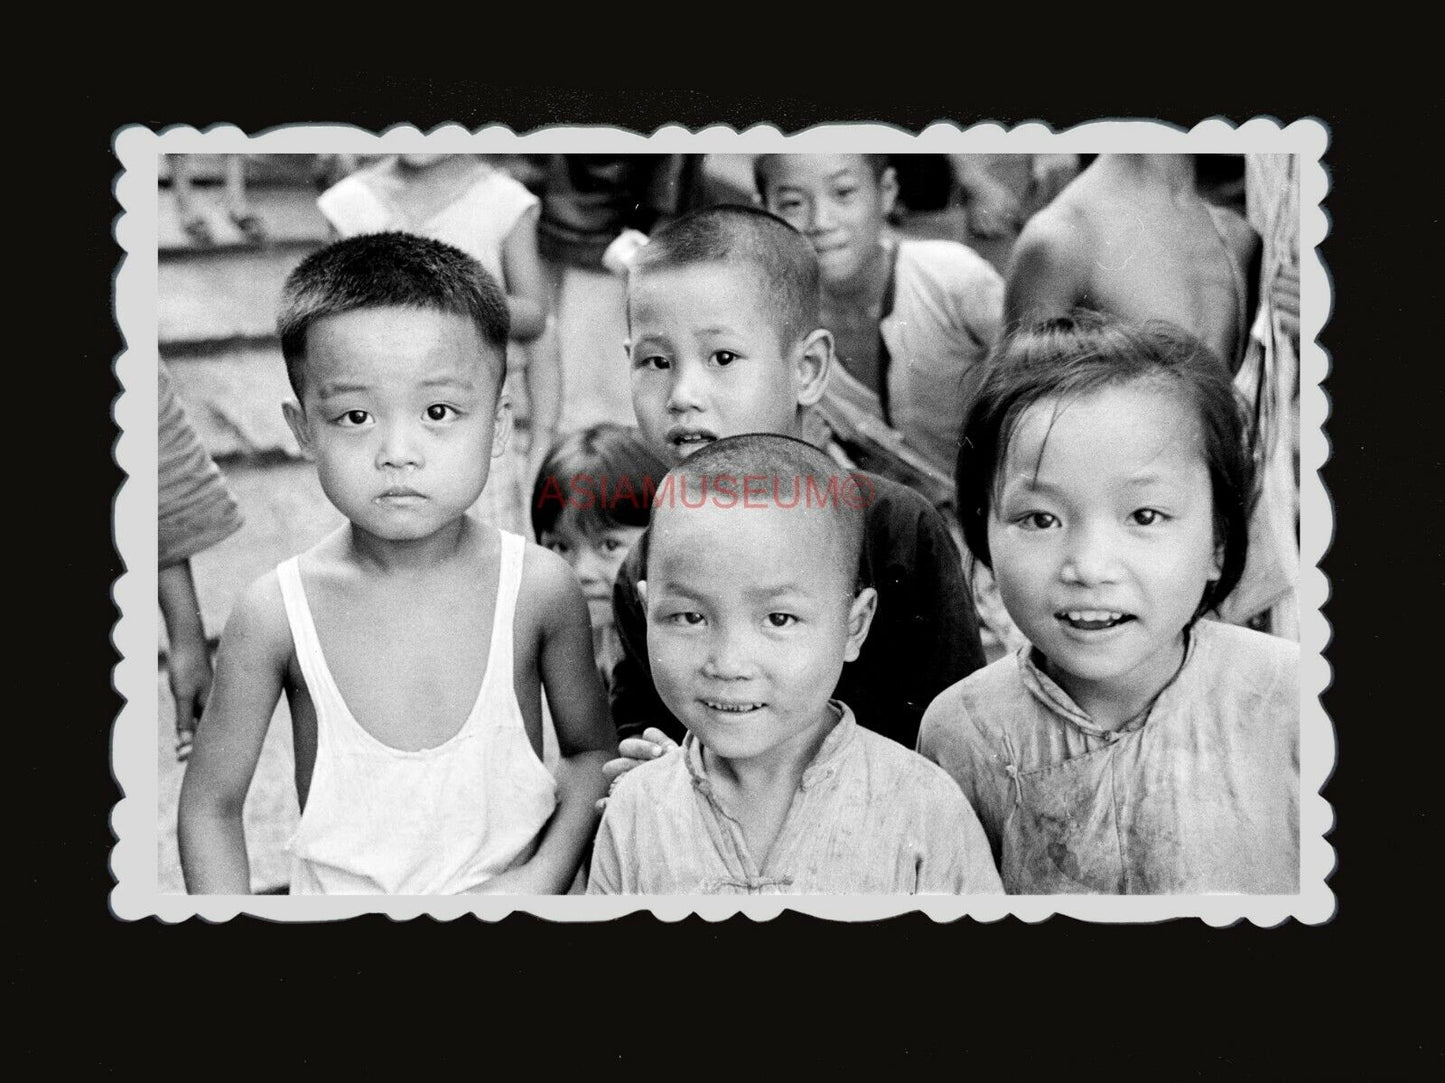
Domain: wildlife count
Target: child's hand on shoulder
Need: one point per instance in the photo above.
(633, 751)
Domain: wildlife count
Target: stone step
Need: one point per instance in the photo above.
(225, 298)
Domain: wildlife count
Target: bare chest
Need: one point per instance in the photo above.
(408, 667)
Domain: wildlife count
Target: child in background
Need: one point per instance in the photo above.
(588, 201)
(723, 317)
(590, 504)
(462, 200)
(195, 511)
(912, 320)
(754, 604)
(413, 644)
(1133, 748)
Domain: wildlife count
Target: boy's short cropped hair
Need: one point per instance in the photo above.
(1071, 356)
(879, 163)
(781, 259)
(788, 473)
(380, 270)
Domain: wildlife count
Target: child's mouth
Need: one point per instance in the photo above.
(733, 708)
(688, 440)
(1092, 620)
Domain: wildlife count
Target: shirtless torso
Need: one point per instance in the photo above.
(388, 654)
(1131, 237)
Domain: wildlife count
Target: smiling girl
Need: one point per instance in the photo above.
(1132, 746)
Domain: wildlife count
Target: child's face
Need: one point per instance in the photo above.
(1102, 537)
(707, 360)
(837, 202)
(400, 413)
(750, 618)
(596, 552)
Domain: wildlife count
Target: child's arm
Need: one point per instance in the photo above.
(250, 668)
(525, 279)
(584, 735)
(527, 299)
(188, 661)
(951, 739)
(957, 859)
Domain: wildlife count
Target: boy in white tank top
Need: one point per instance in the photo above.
(413, 644)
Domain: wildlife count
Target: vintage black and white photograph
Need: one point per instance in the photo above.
(854, 521)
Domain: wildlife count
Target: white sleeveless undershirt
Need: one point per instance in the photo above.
(436, 821)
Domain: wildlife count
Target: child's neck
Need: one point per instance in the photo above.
(759, 791)
(866, 292)
(1112, 703)
(414, 555)
(780, 769)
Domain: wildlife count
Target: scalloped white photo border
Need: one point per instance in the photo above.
(133, 860)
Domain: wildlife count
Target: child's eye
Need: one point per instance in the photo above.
(842, 195)
(655, 362)
(559, 547)
(440, 411)
(1038, 520)
(611, 545)
(781, 620)
(353, 418)
(688, 618)
(1148, 516)
(724, 358)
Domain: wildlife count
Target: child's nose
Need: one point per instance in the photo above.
(729, 658)
(821, 217)
(1091, 556)
(590, 567)
(685, 391)
(399, 448)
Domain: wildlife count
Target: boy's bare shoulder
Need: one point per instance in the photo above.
(258, 619)
(549, 588)
(1059, 230)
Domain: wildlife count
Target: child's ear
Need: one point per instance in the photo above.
(502, 429)
(860, 619)
(642, 593)
(815, 362)
(888, 190)
(296, 420)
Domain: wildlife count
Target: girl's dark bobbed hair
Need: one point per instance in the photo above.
(605, 472)
(1073, 356)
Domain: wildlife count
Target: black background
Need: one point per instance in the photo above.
(1174, 1000)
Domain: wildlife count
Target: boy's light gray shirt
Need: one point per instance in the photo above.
(870, 817)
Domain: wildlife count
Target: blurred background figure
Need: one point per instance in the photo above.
(194, 223)
(981, 200)
(196, 510)
(588, 200)
(1132, 236)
